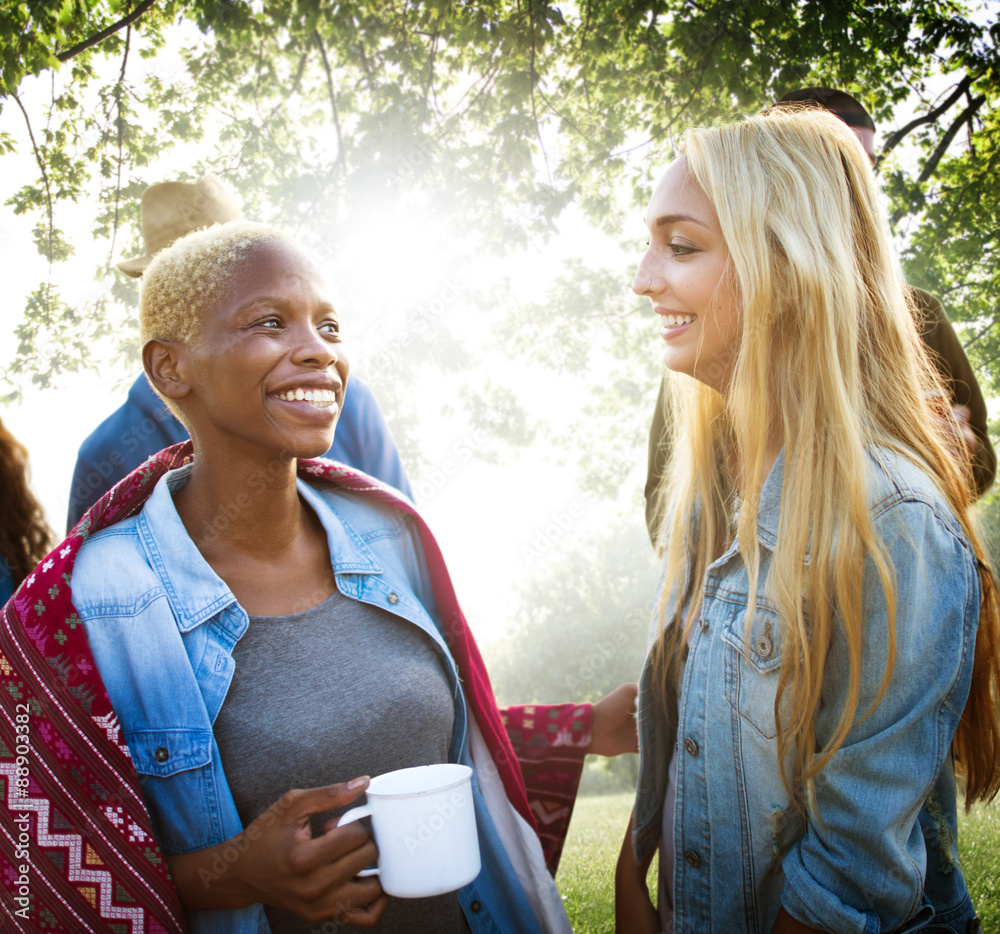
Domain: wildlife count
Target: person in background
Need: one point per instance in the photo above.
(965, 397)
(24, 535)
(143, 425)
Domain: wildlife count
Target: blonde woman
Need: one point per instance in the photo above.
(826, 657)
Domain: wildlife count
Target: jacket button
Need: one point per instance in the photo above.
(161, 754)
(764, 647)
(691, 746)
(692, 859)
(394, 598)
(476, 907)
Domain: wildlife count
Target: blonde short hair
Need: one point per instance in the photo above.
(184, 279)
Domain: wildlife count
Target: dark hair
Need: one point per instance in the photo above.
(839, 103)
(25, 537)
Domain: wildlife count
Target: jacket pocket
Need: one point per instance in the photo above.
(178, 783)
(752, 666)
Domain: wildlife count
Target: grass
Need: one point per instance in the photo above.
(586, 873)
(979, 849)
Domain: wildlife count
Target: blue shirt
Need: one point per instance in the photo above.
(6, 582)
(143, 425)
(883, 856)
(162, 627)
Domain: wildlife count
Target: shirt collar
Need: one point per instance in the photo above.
(195, 592)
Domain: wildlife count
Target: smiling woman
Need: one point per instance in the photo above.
(264, 623)
(827, 625)
(238, 377)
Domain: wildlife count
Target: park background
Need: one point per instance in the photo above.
(472, 176)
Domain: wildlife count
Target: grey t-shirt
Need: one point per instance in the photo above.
(339, 690)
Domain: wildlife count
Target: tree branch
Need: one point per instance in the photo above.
(533, 78)
(41, 168)
(428, 87)
(942, 147)
(894, 139)
(75, 50)
(979, 335)
(333, 100)
(120, 126)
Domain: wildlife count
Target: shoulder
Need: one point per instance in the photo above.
(359, 402)
(899, 483)
(109, 433)
(361, 392)
(914, 521)
(927, 304)
(112, 572)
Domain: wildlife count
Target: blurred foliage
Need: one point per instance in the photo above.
(582, 616)
(488, 116)
(592, 330)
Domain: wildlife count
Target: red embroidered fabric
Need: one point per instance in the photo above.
(77, 851)
(550, 743)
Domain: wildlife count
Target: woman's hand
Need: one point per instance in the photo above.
(276, 861)
(634, 911)
(612, 728)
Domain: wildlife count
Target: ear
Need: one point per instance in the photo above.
(163, 362)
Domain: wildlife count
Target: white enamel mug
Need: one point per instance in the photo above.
(424, 824)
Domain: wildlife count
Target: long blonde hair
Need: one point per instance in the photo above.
(829, 365)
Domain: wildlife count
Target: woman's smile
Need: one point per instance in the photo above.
(320, 398)
(673, 324)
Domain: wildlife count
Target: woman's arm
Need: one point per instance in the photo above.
(634, 911)
(276, 861)
(612, 726)
(863, 858)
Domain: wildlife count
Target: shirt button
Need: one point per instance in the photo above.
(764, 647)
(691, 746)
(476, 907)
(161, 754)
(692, 859)
(394, 598)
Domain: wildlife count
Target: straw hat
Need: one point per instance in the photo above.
(172, 209)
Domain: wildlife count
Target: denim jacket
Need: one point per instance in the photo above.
(882, 854)
(162, 627)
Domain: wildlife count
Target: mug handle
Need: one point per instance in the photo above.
(349, 817)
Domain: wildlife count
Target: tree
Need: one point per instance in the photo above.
(583, 620)
(490, 117)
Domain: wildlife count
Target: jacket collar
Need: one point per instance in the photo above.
(195, 592)
(769, 509)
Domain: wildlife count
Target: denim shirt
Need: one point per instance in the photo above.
(882, 854)
(162, 626)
